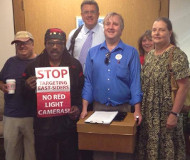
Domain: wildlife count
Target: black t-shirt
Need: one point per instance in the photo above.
(14, 103)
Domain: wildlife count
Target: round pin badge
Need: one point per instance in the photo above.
(118, 56)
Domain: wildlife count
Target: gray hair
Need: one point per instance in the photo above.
(111, 14)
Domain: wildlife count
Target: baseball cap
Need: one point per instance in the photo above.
(55, 33)
(22, 36)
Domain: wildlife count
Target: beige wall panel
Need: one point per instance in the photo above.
(18, 11)
(43, 14)
(138, 16)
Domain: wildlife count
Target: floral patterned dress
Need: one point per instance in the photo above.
(155, 141)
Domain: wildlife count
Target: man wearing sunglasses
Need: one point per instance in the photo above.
(112, 74)
(56, 136)
(18, 119)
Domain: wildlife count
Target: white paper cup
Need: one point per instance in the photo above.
(11, 85)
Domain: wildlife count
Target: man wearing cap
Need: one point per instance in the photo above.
(56, 137)
(18, 119)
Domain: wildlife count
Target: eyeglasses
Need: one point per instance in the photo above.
(89, 12)
(58, 43)
(107, 59)
(20, 43)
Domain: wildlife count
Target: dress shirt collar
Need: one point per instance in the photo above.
(118, 47)
(95, 29)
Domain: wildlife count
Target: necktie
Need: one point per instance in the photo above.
(86, 46)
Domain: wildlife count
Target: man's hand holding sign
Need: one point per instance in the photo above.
(31, 82)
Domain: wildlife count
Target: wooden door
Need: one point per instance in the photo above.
(40, 15)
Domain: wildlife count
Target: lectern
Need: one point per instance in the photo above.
(119, 136)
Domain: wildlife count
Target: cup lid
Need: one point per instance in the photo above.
(9, 80)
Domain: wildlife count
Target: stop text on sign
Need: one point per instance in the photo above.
(52, 73)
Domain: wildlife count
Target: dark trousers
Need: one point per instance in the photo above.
(57, 147)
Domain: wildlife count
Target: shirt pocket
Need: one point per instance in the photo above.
(122, 72)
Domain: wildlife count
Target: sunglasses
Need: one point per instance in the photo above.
(20, 43)
(107, 59)
(57, 43)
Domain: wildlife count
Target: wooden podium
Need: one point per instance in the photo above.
(119, 136)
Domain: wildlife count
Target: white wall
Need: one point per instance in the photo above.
(6, 31)
(179, 14)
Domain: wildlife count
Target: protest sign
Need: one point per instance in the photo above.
(53, 91)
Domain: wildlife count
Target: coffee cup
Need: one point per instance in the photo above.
(11, 85)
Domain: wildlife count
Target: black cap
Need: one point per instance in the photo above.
(55, 33)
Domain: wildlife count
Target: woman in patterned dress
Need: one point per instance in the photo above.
(161, 132)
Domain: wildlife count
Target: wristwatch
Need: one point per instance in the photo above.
(174, 113)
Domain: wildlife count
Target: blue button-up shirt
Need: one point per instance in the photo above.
(116, 83)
